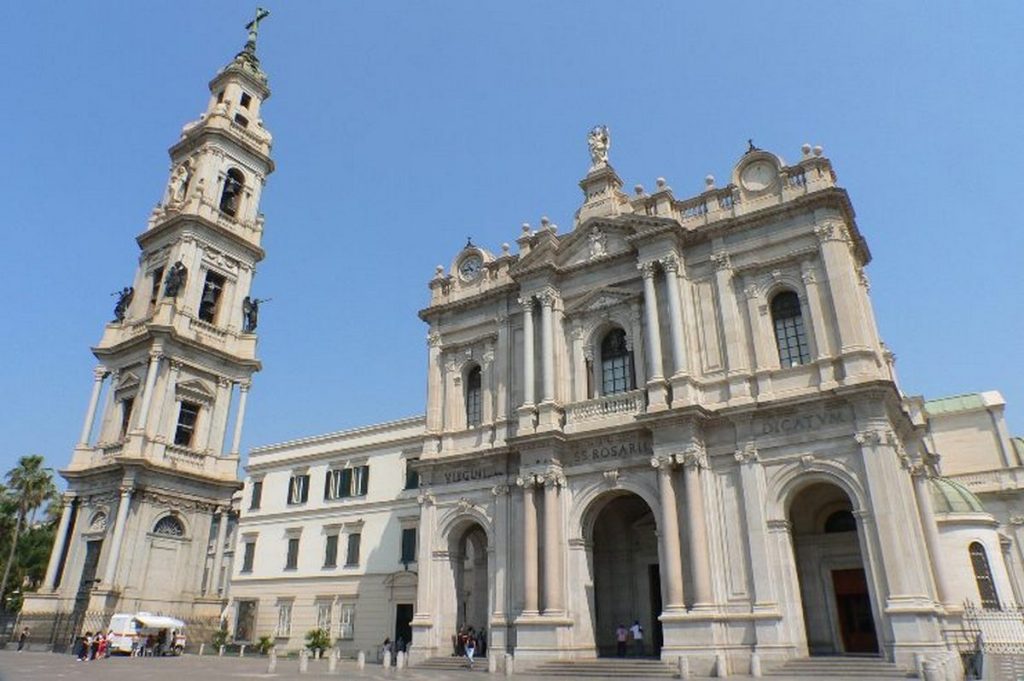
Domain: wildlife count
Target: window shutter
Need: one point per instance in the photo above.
(288, 491)
(364, 480)
(305, 488)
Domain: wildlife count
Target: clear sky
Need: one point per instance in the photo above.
(402, 128)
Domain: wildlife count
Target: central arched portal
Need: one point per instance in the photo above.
(626, 574)
(471, 581)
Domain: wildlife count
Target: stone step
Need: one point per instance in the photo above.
(452, 663)
(824, 667)
(608, 668)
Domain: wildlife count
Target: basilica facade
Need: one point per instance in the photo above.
(677, 412)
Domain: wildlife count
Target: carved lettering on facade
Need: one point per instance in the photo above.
(612, 447)
(801, 423)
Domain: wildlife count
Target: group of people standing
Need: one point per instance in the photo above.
(93, 646)
(623, 636)
(469, 644)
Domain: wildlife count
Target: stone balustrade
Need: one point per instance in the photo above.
(177, 456)
(589, 413)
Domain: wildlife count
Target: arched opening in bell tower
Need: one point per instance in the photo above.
(625, 569)
(471, 580)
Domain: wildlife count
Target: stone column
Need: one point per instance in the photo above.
(243, 396)
(529, 545)
(219, 420)
(765, 350)
(669, 531)
(554, 603)
(59, 541)
(528, 353)
(693, 462)
(821, 335)
(147, 398)
(752, 492)
(931, 531)
(487, 386)
(214, 583)
(735, 335)
(653, 325)
(547, 347)
(435, 397)
(842, 279)
(679, 364)
(165, 425)
(114, 557)
(98, 374)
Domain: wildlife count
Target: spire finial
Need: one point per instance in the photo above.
(254, 30)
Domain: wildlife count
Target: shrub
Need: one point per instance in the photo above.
(219, 638)
(318, 639)
(265, 644)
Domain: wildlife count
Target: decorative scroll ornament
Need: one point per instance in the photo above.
(612, 477)
(748, 454)
(599, 141)
(721, 260)
(426, 497)
(500, 490)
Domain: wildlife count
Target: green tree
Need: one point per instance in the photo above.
(29, 486)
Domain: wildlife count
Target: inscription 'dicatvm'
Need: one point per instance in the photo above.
(801, 423)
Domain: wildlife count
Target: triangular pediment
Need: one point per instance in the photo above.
(542, 255)
(195, 389)
(127, 380)
(593, 241)
(600, 299)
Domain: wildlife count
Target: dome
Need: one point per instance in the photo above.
(952, 497)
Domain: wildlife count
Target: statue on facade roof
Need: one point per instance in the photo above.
(175, 279)
(599, 140)
(251, 313)
(124, 299)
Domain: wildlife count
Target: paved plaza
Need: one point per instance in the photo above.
(36, 666)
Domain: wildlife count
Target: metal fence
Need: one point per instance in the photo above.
(995, 631)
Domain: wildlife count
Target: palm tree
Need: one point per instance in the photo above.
(30, 483)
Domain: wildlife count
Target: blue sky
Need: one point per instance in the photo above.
(402, 128)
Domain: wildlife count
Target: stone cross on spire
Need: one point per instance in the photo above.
(254, 29)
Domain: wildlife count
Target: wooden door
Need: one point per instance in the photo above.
(853, 607)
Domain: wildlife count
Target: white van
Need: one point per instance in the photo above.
(129, 632)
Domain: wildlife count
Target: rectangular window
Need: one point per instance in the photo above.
(331, 551)
(323, 616)
(338, 484)
(245, 100)
(298, 489)
(412, 478)
(347, 629)
(292, 561)
(154, 292)
(360, 480)
(126, 414)
(187, 416)
(408, 545)
(352, 557)
(212, 290)
(248, 555)
(257, 495)
(284, 620)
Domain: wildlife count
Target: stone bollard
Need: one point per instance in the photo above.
(303, 661)
(510, 664)
(721, 666)
(755, 665)
(683, 664)
(387, 659)
(332, 661)
(272, 664)
(492, 664)
(400, 660)
(931, 671)
(220, 652)
(919, 664)
(201, 647)
(361, 660)
(241, 651)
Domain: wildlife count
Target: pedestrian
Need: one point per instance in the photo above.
(87, 647)
(620, 640)
(386, 648)
(22, 639)
(638, 637)
(101, 646)
(470, 649)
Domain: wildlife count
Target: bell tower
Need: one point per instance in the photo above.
(148, 513)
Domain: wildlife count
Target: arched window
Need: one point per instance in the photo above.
(473, 397)
(169, 526)
(983, 576)
(840, 521)
(231, 197)
(616, 363)
(789, 330)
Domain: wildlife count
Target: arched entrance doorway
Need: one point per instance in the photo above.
(469, 560)
(837, 602)
(625, 570)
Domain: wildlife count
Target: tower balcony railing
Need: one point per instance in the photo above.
(182, 457)
(597, 412)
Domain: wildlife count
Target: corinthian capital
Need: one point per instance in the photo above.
(831, 231)
(694, 456)
(663, 462)
(527, 303)
(433, 339)
(646, 269)
(670, 263)
(721, 260)
(548, 297)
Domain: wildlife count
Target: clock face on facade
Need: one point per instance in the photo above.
(758, 175)
(470, 267)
